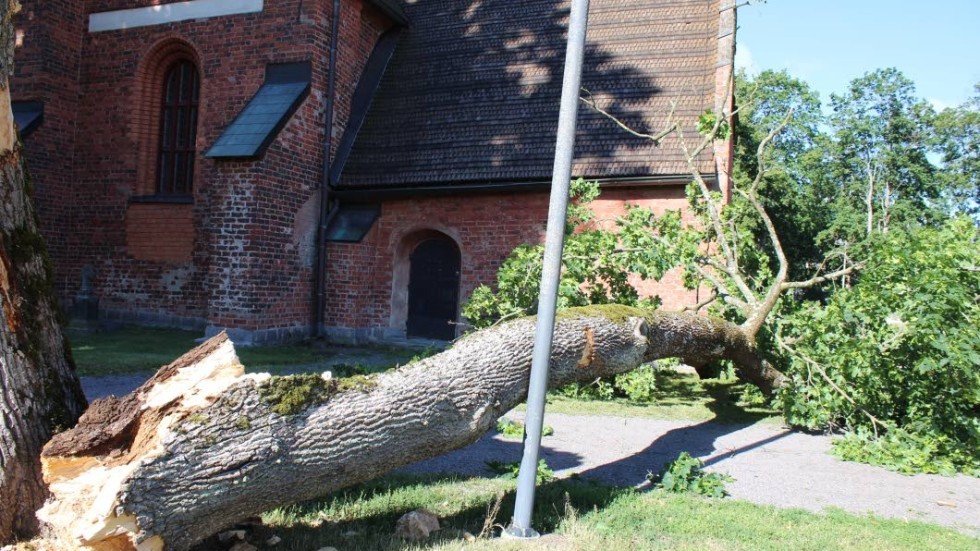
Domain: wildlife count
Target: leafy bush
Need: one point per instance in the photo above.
(599, 389)
(684, 476)
(595, 270)
(511, 470)
(638, 385)
(513, 429)
(897, 354)
(906, 452)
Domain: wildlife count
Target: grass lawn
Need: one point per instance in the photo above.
(583, 515)
(128, 350)
(142, 350)
(678, 396)
(577, 514)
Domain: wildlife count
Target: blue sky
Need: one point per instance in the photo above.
(828, 43)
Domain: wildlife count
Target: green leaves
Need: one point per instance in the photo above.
(707, 122)
(904, 342)
(684, 476)
(881, 136)
(542, 475)
(598, 259)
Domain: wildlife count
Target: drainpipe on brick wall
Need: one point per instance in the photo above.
(326, 213)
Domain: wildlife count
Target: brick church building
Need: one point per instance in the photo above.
(184, 154)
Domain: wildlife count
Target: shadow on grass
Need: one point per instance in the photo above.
(722, 397)
(364, 517)
(723, 401)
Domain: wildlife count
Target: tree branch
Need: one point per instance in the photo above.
(875, 422)
(722, 289)
(697, 307)
(817, 280)
(655, 138)
(761, 151)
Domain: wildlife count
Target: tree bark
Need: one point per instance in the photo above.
(201, 445)
(39, 392)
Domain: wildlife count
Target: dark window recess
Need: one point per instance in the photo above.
(433, 290)
(253, 130)
(178, 130)
(352, 222)
(28, 115)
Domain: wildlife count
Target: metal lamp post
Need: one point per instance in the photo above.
(554, 242)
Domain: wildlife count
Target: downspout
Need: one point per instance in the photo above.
(319, 271)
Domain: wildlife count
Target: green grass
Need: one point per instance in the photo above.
(585, 515)
(678, 396)
(141, 350)
(128, 350)
(662, 521)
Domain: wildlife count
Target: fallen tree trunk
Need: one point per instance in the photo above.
(201, 446)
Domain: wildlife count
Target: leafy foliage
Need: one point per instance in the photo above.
(891, 351)
(881, 138)
(511, 470)
(684, 476)
(514, 429)
(596, 269)
(793, 189)
(906, 452)
(638, 385)
(902, 347)
(957, 137)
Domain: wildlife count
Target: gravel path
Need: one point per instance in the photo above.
(770, 464)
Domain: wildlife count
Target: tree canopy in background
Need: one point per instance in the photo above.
(876, 180)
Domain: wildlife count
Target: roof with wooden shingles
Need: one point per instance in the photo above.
(471, 93)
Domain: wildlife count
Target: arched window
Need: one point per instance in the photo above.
(178, 129)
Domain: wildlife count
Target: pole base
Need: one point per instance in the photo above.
(514, 533)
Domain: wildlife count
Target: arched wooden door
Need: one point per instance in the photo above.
(433, 289)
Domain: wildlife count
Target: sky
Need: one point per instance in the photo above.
(828, 43)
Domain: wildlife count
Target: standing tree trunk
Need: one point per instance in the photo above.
(39, 392)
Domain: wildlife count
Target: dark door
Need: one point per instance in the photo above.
(433, 290)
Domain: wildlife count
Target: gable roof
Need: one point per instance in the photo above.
(471, 93)
(393, 9)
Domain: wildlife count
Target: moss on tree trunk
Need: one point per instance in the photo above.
(39, 392)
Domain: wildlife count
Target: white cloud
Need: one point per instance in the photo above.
(744, 60)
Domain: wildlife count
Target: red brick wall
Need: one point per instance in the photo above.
(160, 232)
(261, 264)
(46, 69)
(232, 257)
(660, 199)
(366, 290)
(486, 229)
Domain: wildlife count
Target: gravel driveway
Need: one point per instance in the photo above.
(770, 464)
